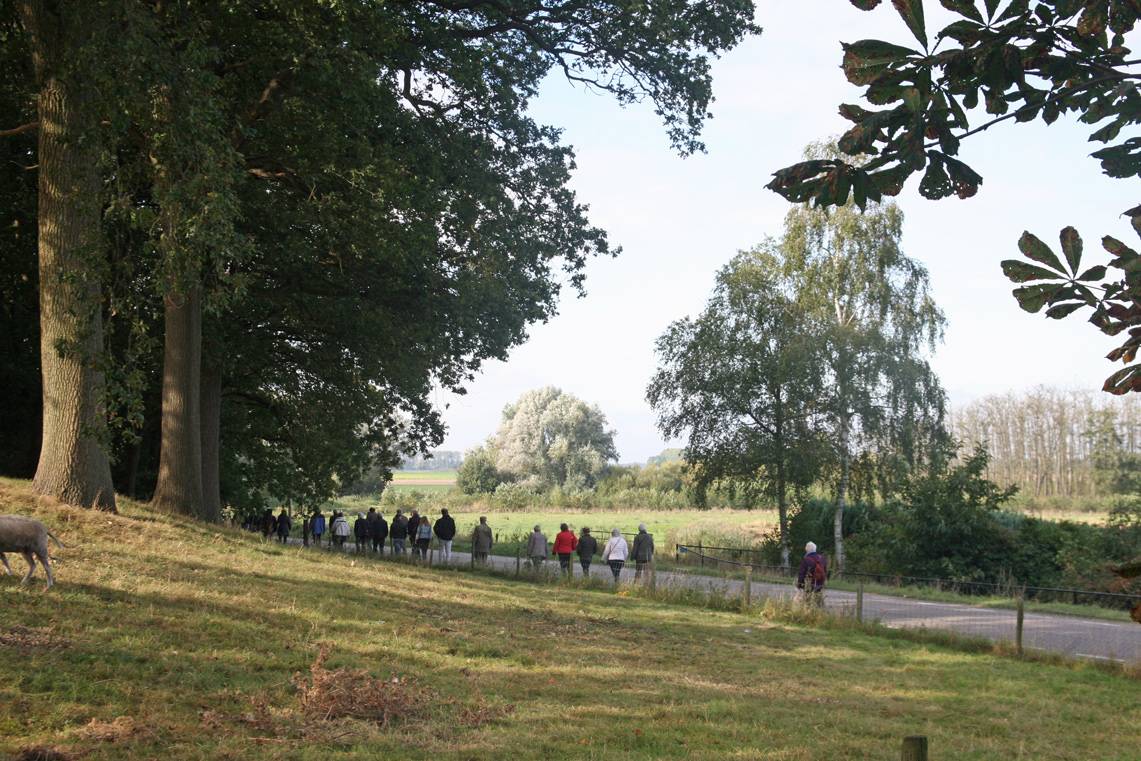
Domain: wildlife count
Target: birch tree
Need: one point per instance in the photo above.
(850, 273)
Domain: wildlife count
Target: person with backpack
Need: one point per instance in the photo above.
(413, 525)
(643, 550)
(481, 541)
(317, 527)
(811, 577)
(398, 532)
(615, 552)
(565, 543)
(377, 530)
(360, 533)
(445, 530)
(587, 549)
(284, 526)
(340, 529)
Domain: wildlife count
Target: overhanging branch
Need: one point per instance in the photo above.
(29, 127)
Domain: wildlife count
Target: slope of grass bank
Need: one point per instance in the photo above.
(167, 638)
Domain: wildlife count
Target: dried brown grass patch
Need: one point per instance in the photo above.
(346, 693)
(118, 729)
(25, 639)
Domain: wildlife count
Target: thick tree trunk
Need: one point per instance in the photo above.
(841, 495)
(179, 487)
(73, 465)
(211, 442)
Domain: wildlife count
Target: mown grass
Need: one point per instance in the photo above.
(196, 632)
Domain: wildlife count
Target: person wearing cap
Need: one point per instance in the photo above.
(445, 530)
(643, 550)
(565, 543)
(481, 540)
(587, 549)
(615, 552)
(812, 575)
(537, 548)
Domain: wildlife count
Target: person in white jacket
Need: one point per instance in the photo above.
(615, 553)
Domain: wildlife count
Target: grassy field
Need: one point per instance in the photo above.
(168, 638)
(431, 481)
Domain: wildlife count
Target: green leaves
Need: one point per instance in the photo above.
(865, 60)
(1033, 248)
(912, 13)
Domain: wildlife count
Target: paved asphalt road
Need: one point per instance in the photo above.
(1069, 635)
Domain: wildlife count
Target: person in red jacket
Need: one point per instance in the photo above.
(565, 543)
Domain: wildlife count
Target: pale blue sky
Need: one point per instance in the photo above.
(679, 220)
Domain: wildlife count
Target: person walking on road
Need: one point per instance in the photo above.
(587, 549)
(565, 544)
(268, 523)
(317, 526)
(377, 530)
(643, 550)
(445, 530)
(615, 552)
(481, 540)
(360, 533)
(423, 537)
(340, 529)
(284, 526)
(537, 548)
(811, 577)
(398, 532)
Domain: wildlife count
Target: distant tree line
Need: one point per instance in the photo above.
(1056, 443)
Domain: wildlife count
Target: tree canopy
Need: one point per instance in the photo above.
(551, 438)
(326, 210)
(1022, 60)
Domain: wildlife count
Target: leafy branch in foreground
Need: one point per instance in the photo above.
(1021, 60)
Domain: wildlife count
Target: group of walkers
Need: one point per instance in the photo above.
(615, 552)
(371, 532)
(415, 532)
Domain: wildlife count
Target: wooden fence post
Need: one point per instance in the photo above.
(748, 586)
(1018, 624)
(701, 554)
(914, 748)
(518, 549)
(860, 601)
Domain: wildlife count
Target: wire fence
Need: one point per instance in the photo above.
(1003, 620)
(957, 586)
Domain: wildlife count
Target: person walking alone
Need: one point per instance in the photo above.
(481, 540)
(615, 552)
(284, 526)
(537, 548)
(587, 549)
(399, 533)
(643, 550)
(811, 577)
(445, 530)
(565, 543)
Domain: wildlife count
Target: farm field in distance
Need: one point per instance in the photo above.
(168, 637)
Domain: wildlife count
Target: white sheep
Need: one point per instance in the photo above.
(29, 537)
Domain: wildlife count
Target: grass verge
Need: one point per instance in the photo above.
(170, 638)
